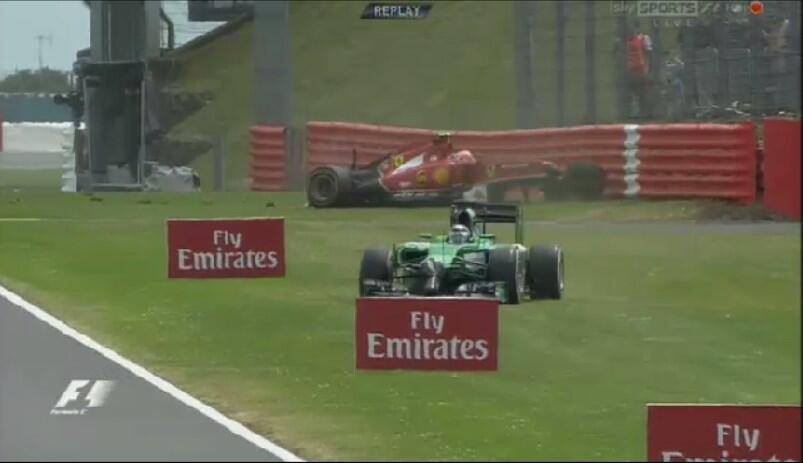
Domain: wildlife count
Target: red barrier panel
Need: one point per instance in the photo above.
(268, 158)
(333, 143)
(649, 161)
(782, 166)
(600, 145)
(697, 161)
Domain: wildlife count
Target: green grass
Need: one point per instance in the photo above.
(452, 71)
(653, 317)
(30, 180)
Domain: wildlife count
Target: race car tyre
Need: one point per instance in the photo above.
(584, 181)
(506, 264)
(545, 272)
(329, 186)
(375, 266)
(554, 189)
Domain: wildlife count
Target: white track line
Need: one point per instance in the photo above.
(164, 386)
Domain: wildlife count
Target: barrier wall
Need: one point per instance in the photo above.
(697, 161)
(649, 161)
(332, 143)
(600, 145)
(268, 158)
(782, 166)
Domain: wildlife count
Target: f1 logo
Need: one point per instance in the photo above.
(91, 392)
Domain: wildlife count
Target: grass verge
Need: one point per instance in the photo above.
(649, 317)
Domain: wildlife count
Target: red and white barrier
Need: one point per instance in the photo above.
(640, 161)
(268, 158)
(697, 161)
(782, 166)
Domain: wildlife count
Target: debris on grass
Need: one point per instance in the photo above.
(727, 211)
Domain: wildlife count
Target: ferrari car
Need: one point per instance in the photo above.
(467, 261)
(435, 173)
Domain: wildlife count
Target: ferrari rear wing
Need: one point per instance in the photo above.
(471, 213)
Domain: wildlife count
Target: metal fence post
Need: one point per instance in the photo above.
(623, 92)
(560, 61)
(220, 165)
(591, 77)
(522, 53)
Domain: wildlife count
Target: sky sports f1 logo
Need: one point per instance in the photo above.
(396, 11)
(81, 395)
(683, 8)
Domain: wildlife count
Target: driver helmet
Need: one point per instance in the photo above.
(459, 234)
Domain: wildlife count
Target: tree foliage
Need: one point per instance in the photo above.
(36, 81)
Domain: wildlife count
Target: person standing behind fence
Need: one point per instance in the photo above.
(675, 94)
(639, 48)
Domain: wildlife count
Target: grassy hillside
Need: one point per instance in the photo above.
(454, 70)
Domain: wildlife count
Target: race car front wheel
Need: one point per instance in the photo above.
(375, 266)
(329, 186)
(506, 264)
(545, 272)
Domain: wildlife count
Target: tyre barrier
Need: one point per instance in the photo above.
(692, 161)
(600, 145)
(334, 143)
(782, 166)
(268, 159)
(640, 161)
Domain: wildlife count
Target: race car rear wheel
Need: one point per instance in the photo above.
(329, 186)
(545, 272)
(581, 181)
(375, 266)
(585, 181)
(506, 264)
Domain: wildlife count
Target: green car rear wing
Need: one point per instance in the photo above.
(474, 214)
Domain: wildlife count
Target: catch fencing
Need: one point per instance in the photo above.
(720, 63)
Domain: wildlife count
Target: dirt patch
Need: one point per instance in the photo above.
(722, 211)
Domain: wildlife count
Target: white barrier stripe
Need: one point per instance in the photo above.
(632, 162)
(233, 426)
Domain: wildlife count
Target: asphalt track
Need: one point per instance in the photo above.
(142, 418)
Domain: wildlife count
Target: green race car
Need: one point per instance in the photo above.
(467, 261)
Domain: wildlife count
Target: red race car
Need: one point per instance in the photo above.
(436, 174)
